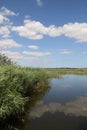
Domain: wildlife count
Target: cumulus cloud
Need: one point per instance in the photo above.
(31, 30)
(37, 54)
(77, 31)
(33, 47)
(39, 2)
(9, 43)
(36, 30)
(65, 51)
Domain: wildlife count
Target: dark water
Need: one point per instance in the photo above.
(64, 106)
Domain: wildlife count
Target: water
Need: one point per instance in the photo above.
(63, 107)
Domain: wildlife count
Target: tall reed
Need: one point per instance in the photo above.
(17, 84)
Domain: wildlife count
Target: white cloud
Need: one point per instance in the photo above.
(36, 30)
(3, 19)
(5, 12)
(12, 55)
(37, 54)
(19, 58)
(31, 30)
(4, 31)
(65, 51)
(33, 47)
(9, 43)
(5, 23)
(77, 31)
(39, 2)
(54, 31)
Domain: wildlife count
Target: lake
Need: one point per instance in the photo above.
(63, 107)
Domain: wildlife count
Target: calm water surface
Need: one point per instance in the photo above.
(64, 106)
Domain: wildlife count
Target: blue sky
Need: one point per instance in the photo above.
(44, 33)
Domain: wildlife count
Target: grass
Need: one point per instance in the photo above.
(56, 72)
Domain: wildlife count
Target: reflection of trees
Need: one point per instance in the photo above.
(76, 108)
(18, 124)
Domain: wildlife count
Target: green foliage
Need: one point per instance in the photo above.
(5, 60)
(16, 85)
(11, 101)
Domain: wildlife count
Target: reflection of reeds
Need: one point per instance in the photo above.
(17, 84)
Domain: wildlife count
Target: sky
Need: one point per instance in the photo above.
(44, 33)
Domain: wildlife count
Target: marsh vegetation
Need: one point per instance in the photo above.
(17, 85)
(57, 72)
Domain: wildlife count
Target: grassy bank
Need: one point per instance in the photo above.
(56, 72)
(16, 87)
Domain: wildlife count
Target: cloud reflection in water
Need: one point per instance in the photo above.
(76, 108)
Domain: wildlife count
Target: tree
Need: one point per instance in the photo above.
(5, 60)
